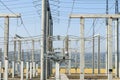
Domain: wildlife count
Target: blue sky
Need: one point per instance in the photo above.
(31, 10)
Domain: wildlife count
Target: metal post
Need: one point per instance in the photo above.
(50, 43)
(6, 42)
(47, 42)
(19, 57)
(30, 70)
(19, 51)
(116, 41)
(0, 63)
(109, 49)
(119, 68)
(107, 38)
(22, 65)
(66, 52)
(57, 72)
(66, 46)
(70, 63)
(76, 61)
(33, 61)
(0, 69)
(13, 69)
(82, 49)
(98, 54)
(93, 48)
(36, 69)
(27, 70)
(14, 62)
(22, 74)
(43, 40)
(116, 49)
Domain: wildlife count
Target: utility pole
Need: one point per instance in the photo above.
(47, 38)
(43, 40)
(117, 74)
(82, 46)
(48, 34)
(19, 54)
(110, 49)
(6, 40)
(106, 38)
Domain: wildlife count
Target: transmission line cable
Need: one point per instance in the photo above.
(20, 18)
(69, 20)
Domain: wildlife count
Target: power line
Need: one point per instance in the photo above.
(77, 2)
(20, 18)
(7, 7)
(69, 20)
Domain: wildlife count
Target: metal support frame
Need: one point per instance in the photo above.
(98, 55)
(6, 40)
(20, 55)
(95, 16)
(32, 61)
(110, 17)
